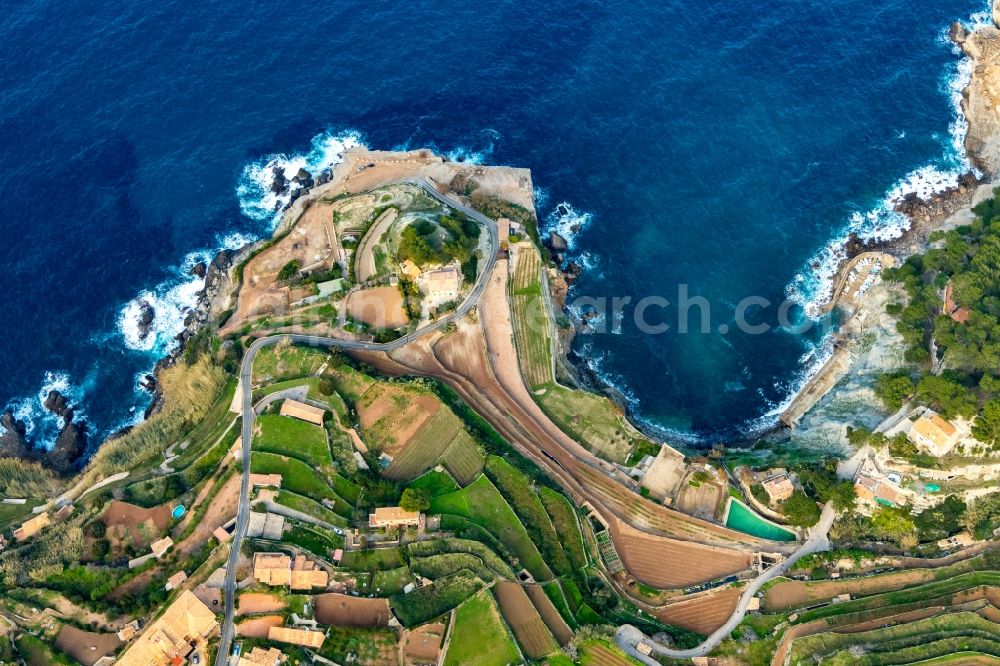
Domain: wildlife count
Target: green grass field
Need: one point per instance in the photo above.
(532, 327)
(478, 624)
(593, 420)
(284, 361)
(564, 520)
(298, 477)
(291, 437)
(314, 539)
(523, 498)
(483, 504)
(435, 483)
(310, 507)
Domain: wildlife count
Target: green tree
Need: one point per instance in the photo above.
(947, 396)
(415, 499)
(901, 446)
(800, 510)
(894, 389)
(893, 523)
(842, 495)
(986, 427)
(289, 270)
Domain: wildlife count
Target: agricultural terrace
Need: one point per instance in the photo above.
(300, 478)
(410, 424)
(784, 593)
(378, 307)
(430, 601)
(347, 611)
(897, 619)
(644, 556)
(911, 642)
(594, 421)
(534, 637)
(285, 361)
(549, 614)
(702, 613)
(477, 625)
(532, 328)
(602, 653)
(564, 521)
(481, 503)
(291, 437)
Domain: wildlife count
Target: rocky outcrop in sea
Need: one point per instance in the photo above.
(66, 454)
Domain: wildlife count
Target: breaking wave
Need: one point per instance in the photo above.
(42, 426)
(260, 203)
(813, 286)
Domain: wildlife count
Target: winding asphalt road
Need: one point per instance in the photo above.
(629, 636)
(246, 371)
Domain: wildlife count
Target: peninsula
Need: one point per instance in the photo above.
(368, 449)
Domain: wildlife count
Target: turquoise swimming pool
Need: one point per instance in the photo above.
(742, 518)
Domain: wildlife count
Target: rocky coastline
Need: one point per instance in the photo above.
(66, 455)
(951, 205)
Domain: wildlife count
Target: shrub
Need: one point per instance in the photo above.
(289, 270)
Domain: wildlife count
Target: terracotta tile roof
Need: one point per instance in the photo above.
(32, 526)
(392, 516)
(302, 411)
(167, 638)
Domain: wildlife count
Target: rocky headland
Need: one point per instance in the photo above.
(875, 346)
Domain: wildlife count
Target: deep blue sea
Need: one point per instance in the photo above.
(718, 145)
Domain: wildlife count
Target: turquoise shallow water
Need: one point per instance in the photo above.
(717, 145)
(743, 519)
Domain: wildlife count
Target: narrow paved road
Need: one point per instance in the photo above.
(629, 636)
(246, 372)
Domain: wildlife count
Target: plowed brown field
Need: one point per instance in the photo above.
(524, 620)
(704, 613)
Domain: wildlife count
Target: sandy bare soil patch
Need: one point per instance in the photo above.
(703, 613)
(669, 563)
(86, 647)
(396, 414)
(258, 602)
(380, 307)
(553, 620)
(141, 526)
(423, 644)
(345, 611)
(257, 627)
(701, 501)
(219, 512)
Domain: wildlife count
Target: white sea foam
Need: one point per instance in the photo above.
(810, 363)
(259, 203)
(41, 425)
(173, 298)
(814, 284)
(567, 221)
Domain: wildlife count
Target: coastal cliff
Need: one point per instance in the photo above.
(981, 98)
